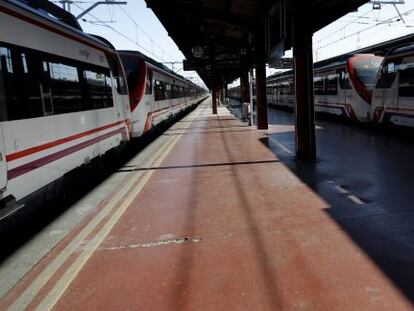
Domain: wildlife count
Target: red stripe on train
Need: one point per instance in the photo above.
(26, 152)
(28, 167)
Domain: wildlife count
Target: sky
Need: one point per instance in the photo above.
(134, 26)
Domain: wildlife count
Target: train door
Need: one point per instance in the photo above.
(378, 97)
(5, 57)
(390, 95)
(149, 98)
(405, 86)
(3, 164)
(342, 89)
(385, 92)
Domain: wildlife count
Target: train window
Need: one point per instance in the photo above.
(406, 83)
(24, 62)
(159, 90)
(117, 74)
(21, 86)
(290, 88)
(65, 88)
(318, 86)
(32, 87)
(388, 75)
(343, 79)
(174, 91)
(131, 67)
(62, 72)
(148, 86)
(347, 84)
(6, 57)
(390, 68)
(180, 91)
(269, 90)
(98, 88)
(332, 86)
(37, 84)
(168, 91)
(10, 79)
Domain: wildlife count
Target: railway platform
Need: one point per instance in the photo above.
(212, 218)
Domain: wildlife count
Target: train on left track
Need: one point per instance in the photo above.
(66, 101)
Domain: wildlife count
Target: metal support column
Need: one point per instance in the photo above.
(245, 97)
(252, 113)
(214, 100)
(261, 100)
(226, 94)
(303, 64)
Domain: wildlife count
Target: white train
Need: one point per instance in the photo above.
(342, 88)
(156, 93)
(393, 96)
(64, 99)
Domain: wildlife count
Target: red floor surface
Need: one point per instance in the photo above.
(220, 224)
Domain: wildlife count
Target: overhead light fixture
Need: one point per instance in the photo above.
(198, 51)
(376, 6)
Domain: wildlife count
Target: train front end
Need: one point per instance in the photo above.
(139, 85)
(362, 70)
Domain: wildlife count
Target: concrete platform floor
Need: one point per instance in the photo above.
(214, 220)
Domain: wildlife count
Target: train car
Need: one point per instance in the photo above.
(63, 99)
(342, 88)
(235, 92)
(157, 94)
(393, 95)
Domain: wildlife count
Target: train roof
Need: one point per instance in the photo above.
(326, 64)
(53, 14)
(280, 75)
(151, 61)
(402, 49)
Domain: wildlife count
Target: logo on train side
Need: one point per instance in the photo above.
(84, 53)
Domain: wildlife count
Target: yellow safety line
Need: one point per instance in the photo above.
(50, 300)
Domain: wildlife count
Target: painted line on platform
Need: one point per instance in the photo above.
(60, 287)
(33, 289)
(340, 189)
(284, 148)
(41, 280)
(355, 199)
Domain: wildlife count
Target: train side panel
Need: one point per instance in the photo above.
(393, 96)
(49, 128)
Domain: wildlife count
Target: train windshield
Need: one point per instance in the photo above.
(366, 68)
(131, 70)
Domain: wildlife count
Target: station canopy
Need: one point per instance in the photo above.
(220, 37)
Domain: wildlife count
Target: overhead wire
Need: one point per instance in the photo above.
(389, 21)
(103, 24)
(143, 31)
(343, 27)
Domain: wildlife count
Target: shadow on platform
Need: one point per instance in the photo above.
(367, 180)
